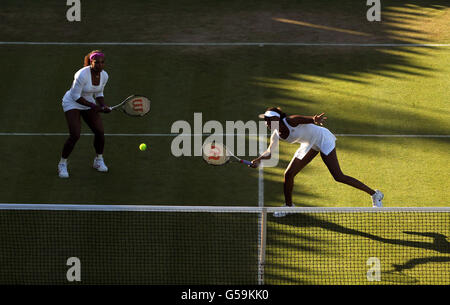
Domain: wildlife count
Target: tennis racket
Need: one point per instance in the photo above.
(218, 154)
(134, 105)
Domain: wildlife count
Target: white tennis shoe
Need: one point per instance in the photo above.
(376, 199)
(62, 170)
(283, 213)
(99, 165)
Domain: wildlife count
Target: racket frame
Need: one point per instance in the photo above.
(119, 106)
(232, 157)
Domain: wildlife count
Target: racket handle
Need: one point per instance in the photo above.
(246, 162)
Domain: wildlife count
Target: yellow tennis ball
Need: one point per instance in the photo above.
(143, 146)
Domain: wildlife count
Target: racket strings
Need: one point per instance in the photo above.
(137, 106)
(215, 153)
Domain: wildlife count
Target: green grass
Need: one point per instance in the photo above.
(221, 248)
(128, 247)
(363, 90)
(411, 171)
(334, 248)
(399, 167)
(199, 20)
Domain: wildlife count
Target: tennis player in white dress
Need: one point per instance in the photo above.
(313, 139)
(85, 100)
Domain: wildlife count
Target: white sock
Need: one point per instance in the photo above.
(100, 157)
(63, 161)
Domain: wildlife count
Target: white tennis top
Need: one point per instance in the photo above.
(309, 136)
(82, 87)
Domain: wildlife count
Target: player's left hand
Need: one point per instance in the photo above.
(319, 119)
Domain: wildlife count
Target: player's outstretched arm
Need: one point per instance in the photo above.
(317, 119)
(268, 153)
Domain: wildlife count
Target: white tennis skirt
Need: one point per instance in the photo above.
(326, 147)
(75, 105)
(68, 103)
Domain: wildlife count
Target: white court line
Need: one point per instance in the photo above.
(394, 135)
(262, 145)
(231, 209)
(208, 134)
(225, 44)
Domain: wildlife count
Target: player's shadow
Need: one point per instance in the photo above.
(440, 243)
(412, 263)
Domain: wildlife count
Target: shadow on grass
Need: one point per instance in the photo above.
(421, 261)
(439, 244)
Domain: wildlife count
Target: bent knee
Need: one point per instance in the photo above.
(339, 178)
(289, 175)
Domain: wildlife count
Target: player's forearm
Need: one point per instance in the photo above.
(100, 100)
(303, 119)
(264, 156)
(84, 102)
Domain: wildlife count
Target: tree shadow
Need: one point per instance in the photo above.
(293, 96)
(273, 274)
(303, 66)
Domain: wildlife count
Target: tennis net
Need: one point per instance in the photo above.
(166, 245)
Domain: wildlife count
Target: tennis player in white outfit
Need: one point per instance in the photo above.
(85, 100)
(312, 139)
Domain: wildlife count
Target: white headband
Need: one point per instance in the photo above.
(271, 114)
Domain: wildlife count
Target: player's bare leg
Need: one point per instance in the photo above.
(294, 167)
(332, 163)
(94, 121)
(74, 124)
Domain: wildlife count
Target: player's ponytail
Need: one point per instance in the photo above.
(282, 114)
(87, 60)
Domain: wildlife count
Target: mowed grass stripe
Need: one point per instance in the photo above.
(207, 134)
(218, 44)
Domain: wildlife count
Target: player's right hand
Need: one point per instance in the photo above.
(96, 108)
(106, 109)
(255, 163)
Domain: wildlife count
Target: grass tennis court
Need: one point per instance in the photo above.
(365, 90)
(165, 248)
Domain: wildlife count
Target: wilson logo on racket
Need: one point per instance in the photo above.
(134, 105)
(138, 105)
(216, 153)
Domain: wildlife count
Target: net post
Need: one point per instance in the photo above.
(262, 139)
(262, 245)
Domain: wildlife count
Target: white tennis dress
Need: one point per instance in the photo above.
(82, 87)
(309, 136)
